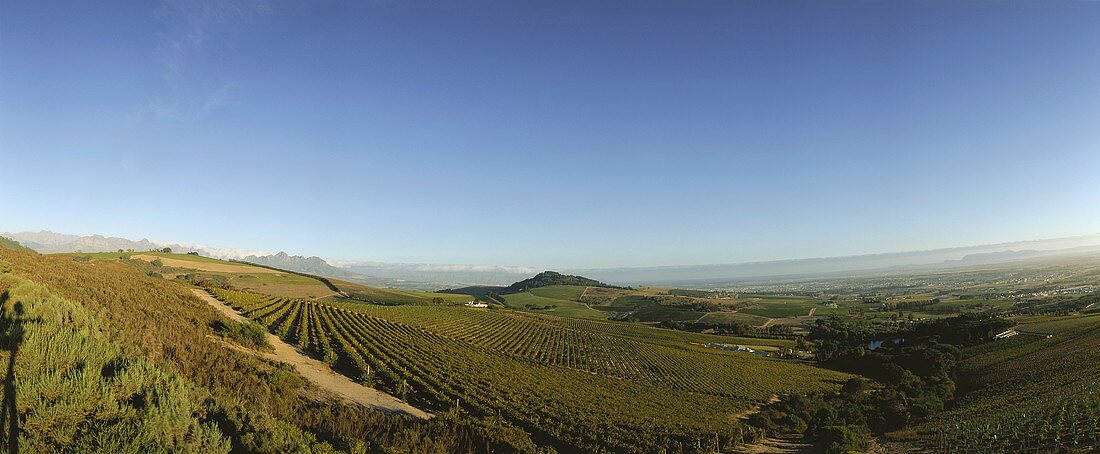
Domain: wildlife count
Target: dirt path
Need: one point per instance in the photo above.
(319, 373)
(789, 444)
(756, 408)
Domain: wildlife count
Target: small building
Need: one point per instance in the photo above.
(477, 304)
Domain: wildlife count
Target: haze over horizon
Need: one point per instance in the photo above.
(951, 253)
(567, 135)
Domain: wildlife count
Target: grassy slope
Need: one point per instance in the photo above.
(561, 292)
(563, 308)
(588, 382)
(12, 244)
(733, 317)
(1006, 380)
(259, 406)
(394, 296)
(51, 341)
(126, 318)
(286, 284)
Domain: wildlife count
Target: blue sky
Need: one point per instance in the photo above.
(561, 134)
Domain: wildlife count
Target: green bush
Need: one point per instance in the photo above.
(249, 334)
(841, 439)
(68, 389)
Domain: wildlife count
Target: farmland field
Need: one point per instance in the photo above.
(1062, 325)
(561, 292)
(560, 307)
(732, 317)
(394, 296)
(1029, 392)
(630, 387)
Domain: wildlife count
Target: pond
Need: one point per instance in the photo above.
(876, 344)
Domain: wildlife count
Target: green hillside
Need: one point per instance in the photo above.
(110, 359)
(561, 292)
(531, 301)
(575, 385)
(548, 278)
(132, 406)
(12, 244)
(1028, 391)
(390, 296)
(538, 281)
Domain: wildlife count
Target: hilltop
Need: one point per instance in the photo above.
(543, 279)
(12, 244)
(548, 278)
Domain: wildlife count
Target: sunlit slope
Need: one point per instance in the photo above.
(131, 406)
(263, 279)
(393, 296)
(561, 300)
(572, 383)
(195, 268)
(259, 406)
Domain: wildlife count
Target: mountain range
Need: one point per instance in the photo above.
(437, 276)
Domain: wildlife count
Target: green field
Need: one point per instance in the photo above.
(559, 307)
(661, 313)
(733, 317)
(561, 292)
(102, 357)
(395, 296)
(1062, 325)
(1028, 393)
(580, 384)
(778, 308)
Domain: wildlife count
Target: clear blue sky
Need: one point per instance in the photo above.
(550, 133)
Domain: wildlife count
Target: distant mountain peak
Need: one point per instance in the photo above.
(309, 265)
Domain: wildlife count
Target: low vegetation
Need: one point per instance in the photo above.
(567, 383)
(68, 388)
(1028, 392)
(249, 334)
(103, 331)
(111, 353)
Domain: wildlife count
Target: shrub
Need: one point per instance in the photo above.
(249, 334)
(78, 392)
(841, 439)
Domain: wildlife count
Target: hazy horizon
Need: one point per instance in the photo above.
(572, 135)
(675, 271)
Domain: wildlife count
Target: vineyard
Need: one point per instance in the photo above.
(1067, 419)
(1030, 393)
(571, 383)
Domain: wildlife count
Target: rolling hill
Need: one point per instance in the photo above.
(543, 279)
(1031, 390)
(103, 357)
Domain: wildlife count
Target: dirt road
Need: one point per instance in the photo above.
(320, 374)
(755, 409)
